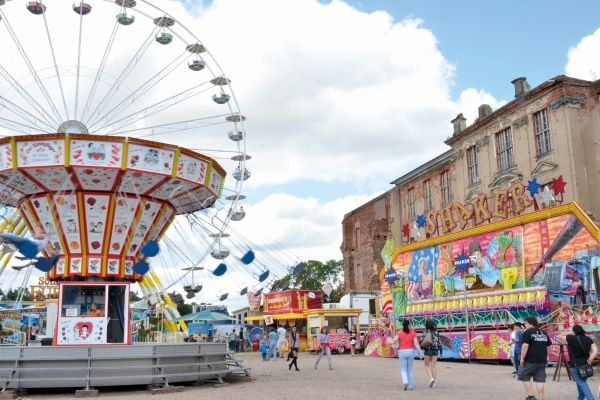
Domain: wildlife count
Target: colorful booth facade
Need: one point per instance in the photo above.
(473, 283)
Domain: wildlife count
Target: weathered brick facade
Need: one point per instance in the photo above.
(546, 133)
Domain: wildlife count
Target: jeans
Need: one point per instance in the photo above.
(272, 352)
(517, 361)
(325, 350)
(407, 357)
(583, 390)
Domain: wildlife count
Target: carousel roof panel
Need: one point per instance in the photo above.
(51, 179)
(97, 179)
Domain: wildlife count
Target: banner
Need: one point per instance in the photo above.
(254, 301)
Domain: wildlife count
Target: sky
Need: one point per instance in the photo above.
(342, 98)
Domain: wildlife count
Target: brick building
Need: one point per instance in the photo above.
(548, 135)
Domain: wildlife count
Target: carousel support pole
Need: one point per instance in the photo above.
(468, 279)
(393, 311)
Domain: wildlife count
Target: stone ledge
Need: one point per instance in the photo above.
(163, 390)
(87, 393)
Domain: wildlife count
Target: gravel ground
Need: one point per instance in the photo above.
(355, 378)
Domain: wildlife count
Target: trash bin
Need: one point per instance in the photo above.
(255, 345)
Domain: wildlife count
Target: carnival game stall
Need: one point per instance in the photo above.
(473, 283)
(333, 319)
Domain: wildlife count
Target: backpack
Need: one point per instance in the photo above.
(427, 340)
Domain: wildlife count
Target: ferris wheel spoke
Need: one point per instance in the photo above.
(137, 93)
(171, 127)
(119, 81)
(25, 114)
(32, 70)
(55, 65)
(100, 71)
(16, 126)
(78, 60)
(156, 108)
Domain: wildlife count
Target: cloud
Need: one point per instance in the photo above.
(583, 62)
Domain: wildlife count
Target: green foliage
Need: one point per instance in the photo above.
(12, 294)
(133, 296)
(185, 309)
(314, 275)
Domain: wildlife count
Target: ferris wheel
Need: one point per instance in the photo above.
(132, 71)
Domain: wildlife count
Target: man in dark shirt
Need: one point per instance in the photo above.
(535, 354)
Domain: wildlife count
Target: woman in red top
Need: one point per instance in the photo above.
(406, 338)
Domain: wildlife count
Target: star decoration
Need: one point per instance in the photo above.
(415, 231)
(405, 230)
(558, 185)
(547, 196)
(533, 187)
(421, 220)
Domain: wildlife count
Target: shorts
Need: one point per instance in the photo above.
(429, 352)
(532, 370)
(281, 344)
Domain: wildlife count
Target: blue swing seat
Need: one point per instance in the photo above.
(151, 249)
(45, 264)
(262, 277)
(28, 249)
(141, 267)
(220, 270)
(248, 257)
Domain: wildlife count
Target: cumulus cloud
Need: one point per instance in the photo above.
(331, 94)
(583, 62)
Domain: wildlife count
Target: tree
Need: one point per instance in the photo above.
(133, 296)
(185, 309)
(314, 275)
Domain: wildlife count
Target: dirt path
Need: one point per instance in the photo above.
(356, 378)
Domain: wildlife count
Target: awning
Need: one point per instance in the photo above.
(288, 316)
(257, 318)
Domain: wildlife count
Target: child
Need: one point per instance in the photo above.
(263, 349)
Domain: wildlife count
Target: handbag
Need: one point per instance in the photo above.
(427, 340)
(585, 371)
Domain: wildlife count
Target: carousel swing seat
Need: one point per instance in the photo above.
(222, 296)
(220, 270)
(243, 290)
(256, 290)
(263, 275)
(151, 249)
(238, 215)
(248, 257)
(298, 268)
(237, 175)
(141, 267)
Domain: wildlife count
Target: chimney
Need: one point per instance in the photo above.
(484, 110)
(521, 86)
(459, 123)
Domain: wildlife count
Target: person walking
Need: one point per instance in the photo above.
(295, 346)
(281, 341)
(406, 340)
(582, 350)
(518, 342)
(232, 340)
(272, 344)
(535, 354)
(324, 345)
(433, 352)
(353, 341)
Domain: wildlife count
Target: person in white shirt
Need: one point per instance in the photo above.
(281, 332)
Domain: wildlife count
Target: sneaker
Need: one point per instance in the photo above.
(530, 398)
(514, 372)
(315, 367)
(330, 367)
(405, 386)
(431, 382)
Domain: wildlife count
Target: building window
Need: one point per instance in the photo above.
(473, 165)
(542, 132)
(446, 187)
(411, 204)
(504, 148)
(427, 192)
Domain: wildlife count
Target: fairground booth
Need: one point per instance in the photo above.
(304, 309)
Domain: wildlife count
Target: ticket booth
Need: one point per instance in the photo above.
(92, 313)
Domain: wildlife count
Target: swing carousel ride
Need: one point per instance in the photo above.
(85, 94)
